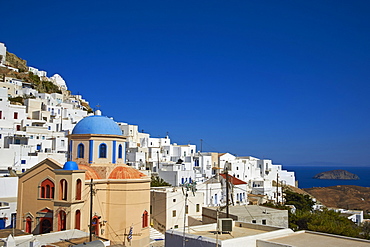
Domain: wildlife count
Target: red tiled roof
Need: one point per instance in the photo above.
(125, 172)
(233, 180)
(90, 172)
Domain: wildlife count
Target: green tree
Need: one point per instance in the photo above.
(300, 201)
(365, 230)
(18, 99)
(330, 221)
(327, 221)
(158, 182)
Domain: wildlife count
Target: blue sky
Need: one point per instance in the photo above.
(285, 80)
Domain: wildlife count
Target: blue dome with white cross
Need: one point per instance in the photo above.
(97, 125)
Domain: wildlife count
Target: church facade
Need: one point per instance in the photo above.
(55, 197)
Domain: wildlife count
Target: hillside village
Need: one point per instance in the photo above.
(69, 170)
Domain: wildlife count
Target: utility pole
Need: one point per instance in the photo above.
(91, 208)
(185, 189)
(183, 234)
(227, 191)
(277, 188)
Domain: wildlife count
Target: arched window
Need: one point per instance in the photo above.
(78, 220)
(78, 189)
(63, 190)
(42, 192)
(29, 224)
(103, 150)
(120, 151)
(62, 220)
(145, 219)
(47, 189)
(95, 226)
(80, 151)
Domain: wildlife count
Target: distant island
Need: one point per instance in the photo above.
(336, 174)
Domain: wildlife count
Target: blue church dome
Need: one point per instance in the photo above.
(70, 165)
(97, 125)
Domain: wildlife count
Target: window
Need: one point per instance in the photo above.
(80, 151)
(197, 208)
(1, 114)
(18, 127)
(145, 219)
(15, 115)
(173, 213)
(263, 222)
(78, 189)
(254, 221)
(62, 221)
(120, 151)
(47, 189)
(23, 162)
(174, 200)
(103, 150)
(63, 190)
(78, 220)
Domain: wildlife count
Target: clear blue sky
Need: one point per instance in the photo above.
(286, 80)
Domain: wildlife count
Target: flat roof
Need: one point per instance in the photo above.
(249, 209)
(75, 241)
(236, 233)
(306, 238)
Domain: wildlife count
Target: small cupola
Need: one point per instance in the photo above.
(70, 165)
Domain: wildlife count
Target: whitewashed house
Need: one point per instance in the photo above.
(171, 208)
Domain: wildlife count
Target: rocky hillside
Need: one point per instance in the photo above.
(16, 62)
(342, 196)
(336, 174)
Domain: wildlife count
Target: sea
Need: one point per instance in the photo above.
(304, 176)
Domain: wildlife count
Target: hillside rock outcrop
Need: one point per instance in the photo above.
(16, 62)
(342, 196)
